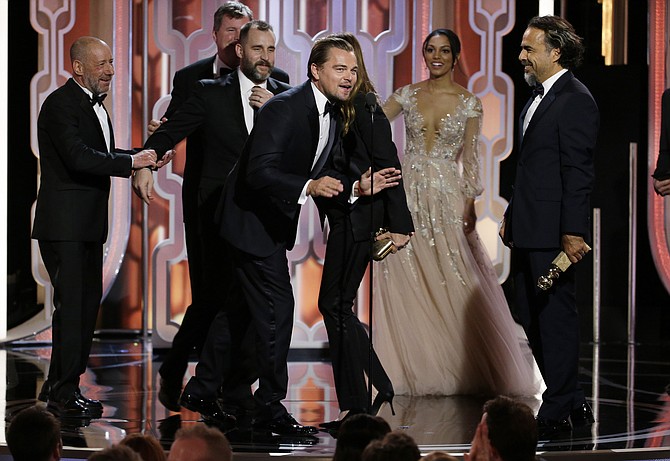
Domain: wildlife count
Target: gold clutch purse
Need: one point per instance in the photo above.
(383, 247)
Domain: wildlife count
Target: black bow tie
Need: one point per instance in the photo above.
(98, 98)
(329, 109)
(538, 90)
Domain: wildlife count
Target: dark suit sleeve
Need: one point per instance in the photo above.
(577, 129)
(60, 120)
(272, 134)
(181, 88)
(663, 163)
(181, 123)
(377, 139)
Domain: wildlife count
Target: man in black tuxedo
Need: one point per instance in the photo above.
(550, 211)
(222, 112)
(77, 158)
(281, 165)
(662, 172)
(228, 20)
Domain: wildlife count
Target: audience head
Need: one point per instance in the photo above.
(200, 443)
(395, 446)
(147, 446)
(256, 50)
(512, 429)
(356, 432)
(438, 456)
(92, 64)
(558, 34)
(332, 68)
(116, 453)
(443, 44)
(21, 440)
(228, 20)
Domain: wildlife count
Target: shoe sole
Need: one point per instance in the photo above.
(64, 414)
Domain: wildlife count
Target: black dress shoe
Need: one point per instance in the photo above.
(547, 427)
(335, 425)
(582, 415)
(168, 395)
(69, 408)
(209, 409)
(284, 425)
(242, 413)
(94, 406)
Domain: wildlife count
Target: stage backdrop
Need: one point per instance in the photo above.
(152, 39)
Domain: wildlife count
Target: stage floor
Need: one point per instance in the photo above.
(624, 384)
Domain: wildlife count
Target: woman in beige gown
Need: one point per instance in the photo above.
(441, 322)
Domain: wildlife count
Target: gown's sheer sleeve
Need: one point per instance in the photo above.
(394, 104)
(472, 184)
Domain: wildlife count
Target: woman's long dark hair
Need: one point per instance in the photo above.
(363, 82)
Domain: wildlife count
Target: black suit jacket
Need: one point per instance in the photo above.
(259, 210)
(75, 166)
(352, 157)
(214, 111)
(554, 175)
(184, 83)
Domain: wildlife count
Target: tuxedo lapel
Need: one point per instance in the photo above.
(112, 146)
(273, 87)
(233, 98)
(313, 118)
(547, 101)
(522, 117)
(87, 108)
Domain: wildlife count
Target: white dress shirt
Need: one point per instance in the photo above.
(547, 84)
(246, 86)
(102, 118)
(324, 131)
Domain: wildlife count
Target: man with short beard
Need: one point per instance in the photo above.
(550, 211)
(222, 112)
(226, 25)
(77, 158)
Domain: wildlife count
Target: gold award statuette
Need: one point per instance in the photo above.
(383, 247)
(559, 265)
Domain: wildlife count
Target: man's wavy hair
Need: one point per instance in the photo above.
(559, 33)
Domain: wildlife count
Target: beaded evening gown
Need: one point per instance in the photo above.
(442, 325)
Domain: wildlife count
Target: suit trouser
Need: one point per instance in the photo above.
(215, 294)
(551, 322)
(75, 270)
(196, 318)
(228, 357)
(343, 270)
(266, 284)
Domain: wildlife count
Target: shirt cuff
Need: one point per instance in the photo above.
(352, 196)
(303, 193)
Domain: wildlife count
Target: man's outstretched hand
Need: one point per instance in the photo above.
(325, 186)
(383, 179)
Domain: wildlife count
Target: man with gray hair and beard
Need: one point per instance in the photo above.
(549, 212)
